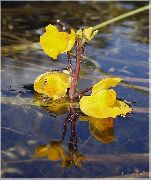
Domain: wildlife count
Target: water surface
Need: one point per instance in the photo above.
(120, 49)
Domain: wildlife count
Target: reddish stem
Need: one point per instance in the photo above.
(74, 77)
(81, 93)
(69, 64)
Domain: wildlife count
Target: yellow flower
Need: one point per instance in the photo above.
(86, 35)
(79, 34)
(53, 151)
(54, 42)
(103, 103)
(52, 84)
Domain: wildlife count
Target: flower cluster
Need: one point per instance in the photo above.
(103, 102)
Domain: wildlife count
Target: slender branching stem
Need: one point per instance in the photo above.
(70, 64)
(73, 137)
(81, 93)
(75, 75)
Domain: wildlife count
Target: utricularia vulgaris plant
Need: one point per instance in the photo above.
(103, 102)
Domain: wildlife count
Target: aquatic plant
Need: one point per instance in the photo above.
(60, 87)
(103, 102)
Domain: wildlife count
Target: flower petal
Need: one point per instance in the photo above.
(105, 84)
(87, 33)
(100, 105)
(54, 42)
(53, 84)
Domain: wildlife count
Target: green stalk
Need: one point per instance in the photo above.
(121, 17)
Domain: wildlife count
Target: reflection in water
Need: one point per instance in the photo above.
(55, 151)
(101, 129)
(120, 46)
(56, 107)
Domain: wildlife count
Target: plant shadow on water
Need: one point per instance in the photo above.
(43, 141)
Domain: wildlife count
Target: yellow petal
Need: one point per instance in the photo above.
(88, 33)
(79, 34)
(54, 42)
(105, 84)
(41, 151)
(103, 105)
(53, 84)
(124, 108)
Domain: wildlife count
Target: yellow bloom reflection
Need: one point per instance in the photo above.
(103, 103)
(54, 42)
(73, 158)
(52, 84)
(52, 151)
(58, 106)
(101, 129)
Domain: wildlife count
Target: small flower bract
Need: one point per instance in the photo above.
(89, 34)
(52, 84)
(103, 103)
(86, 34)
(54, 42)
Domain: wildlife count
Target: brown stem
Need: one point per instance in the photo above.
(73, 137)
(68, 119)
(81, 93)
(69, 64)
(74, 77)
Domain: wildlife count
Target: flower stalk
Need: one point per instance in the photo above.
(69, 64)
(75, 75)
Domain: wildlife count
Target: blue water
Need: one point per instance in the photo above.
(120, 49)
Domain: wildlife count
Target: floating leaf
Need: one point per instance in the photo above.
(54, 42)
(52, 84)
(103, 104)
(105, 84)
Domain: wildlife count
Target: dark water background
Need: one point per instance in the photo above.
(120, 49)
